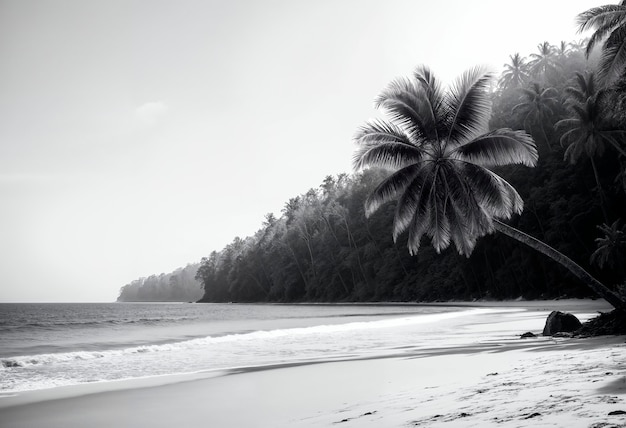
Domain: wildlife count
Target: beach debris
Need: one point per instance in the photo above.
(527, 335)
(349, 419)
(617, 412)
(558, 322)
(532, 415)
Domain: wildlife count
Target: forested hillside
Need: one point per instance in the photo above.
(322, 247)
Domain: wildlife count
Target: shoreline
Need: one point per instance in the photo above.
(470, 388)
(375, 390)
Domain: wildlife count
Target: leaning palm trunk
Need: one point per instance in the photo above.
(565, 261)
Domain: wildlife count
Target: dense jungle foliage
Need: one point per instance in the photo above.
(323, 248)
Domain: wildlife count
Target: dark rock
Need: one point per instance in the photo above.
(617, 412)
(558, 322)
(527, 335)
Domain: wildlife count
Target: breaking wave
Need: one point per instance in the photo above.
(206, 342)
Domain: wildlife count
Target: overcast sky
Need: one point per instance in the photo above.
(139, 136)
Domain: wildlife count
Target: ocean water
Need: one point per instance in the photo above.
(51, 345)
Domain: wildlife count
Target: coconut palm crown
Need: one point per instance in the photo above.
(609, 25)
(439, 150)
(515, 73)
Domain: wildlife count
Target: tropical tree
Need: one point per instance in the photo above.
(611, 248)
(542, 61)
(609, 25)
(439, 155)
(538, 106)
(515, 73)
(586, 132)
(562, 50)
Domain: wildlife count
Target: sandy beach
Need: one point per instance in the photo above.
(491, 378)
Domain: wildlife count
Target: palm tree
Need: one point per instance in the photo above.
(563, 50)
(609, 24)
(538, 107)
(439, 154)
(586, 132)
(515, 73)
(579, 45)
(611, 248)
(543, 61)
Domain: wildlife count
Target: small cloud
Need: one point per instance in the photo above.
(149, 113)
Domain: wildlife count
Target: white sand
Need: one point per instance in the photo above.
(495, 379)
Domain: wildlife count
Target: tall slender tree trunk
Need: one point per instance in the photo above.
(622, 176)
(565, 261)
(545, 137)
(351, 242)
(300, 271)
(600, 192)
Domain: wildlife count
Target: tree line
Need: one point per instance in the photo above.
(323, 248)
(570, 98)
(178, 286)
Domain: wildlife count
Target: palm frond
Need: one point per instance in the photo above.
(468, 220)
(469, 105)
(418, 225)
(390, 188)
(383, 144)
(573, 152)
(598, 17)
(403, 102)
(566, 124)
(493, 193)
(613, 58)
(594, 40)
(603, 20)
(575, 95)
(379, 131)
(412, 202)
(581, 110)
(500, 147)
(439, 229)
(433, 97)
(464, 241)
(573, 130)
(523, 107)
(386, 155)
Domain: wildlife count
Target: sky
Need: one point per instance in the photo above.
(137, 136)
